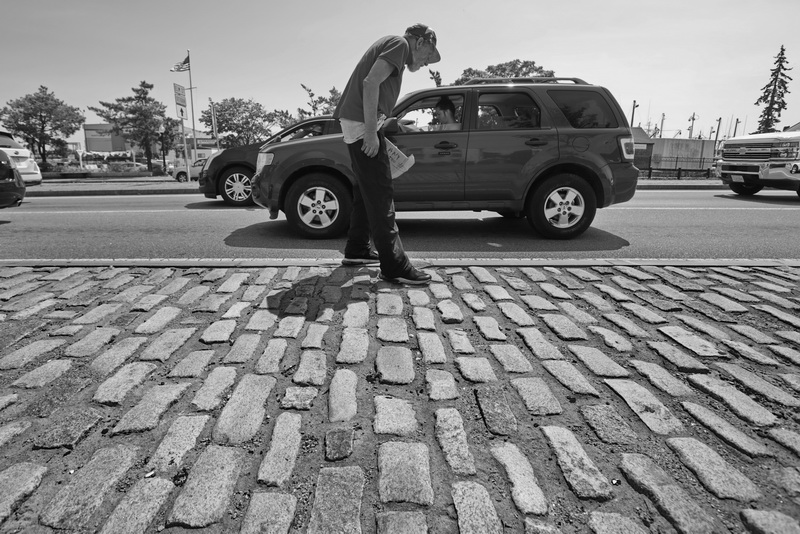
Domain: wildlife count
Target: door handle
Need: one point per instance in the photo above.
(535, 141)
(445, 145)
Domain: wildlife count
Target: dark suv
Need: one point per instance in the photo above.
(229, 173)
(551, 149)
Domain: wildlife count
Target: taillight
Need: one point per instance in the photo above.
(627, 148)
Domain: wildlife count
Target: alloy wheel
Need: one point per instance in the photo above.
(564, 207)
(318, 207)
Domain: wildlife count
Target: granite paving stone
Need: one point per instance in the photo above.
(244, 412)
(218, 332)
(116, 355)
(43, 375)
(441, 385)
(610, 523)
(787, 438)
(299, 398)
(114, 389)
(612, 339)
(516, 314)
(662, 379)
(489, 328)
(726, 431)
(193, 365)
(525, 490)
(755, 383)
(716, 474)
(769, 522)
(683, 511)
(423, 318)
(459, 341)
(628, 285)
(609, 426)
(17, 482)
(354, 345)
(452, 439)
(537, 303)
(539, 345)
(401, 522)
(75, 503)
(627, 325)
(92, 342)
(511, 358)
(581, 474)
(404, 473)
(139, 507)
(537, 396)
(8, 400)
(389, 304)
(597, 362)
(787, 318)
(165, 345)
(787, 353)
(392, 329)
(12, 430)
(678, 358)
(261, 320)
(476, 513)
(312, 368)
(497, 293)
(290, 327)
(739, 403)
(337, 501)
(563, 327)
(577, 314)
(476, 369)
(494, 407)
(269, 512)
(723, 303)
(703, 327)
(755, 335)
(209, 396)
(554, 291)
(570, 377)
(179, 440)
(644, 404)
(243, 348)
(27, 354)
(270, 360)
(694, 343)
(482, 275)
(342, 396)
(613, 293)
(395, 365)
(146, 414)
(748, 352)
(668, 292)
(597, 301)
(278, 462)
(474, 302)
(450, 312)
(204, 497)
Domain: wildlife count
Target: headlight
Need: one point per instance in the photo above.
(264, 159)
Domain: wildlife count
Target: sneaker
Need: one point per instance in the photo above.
(414, 277)
(370, 258)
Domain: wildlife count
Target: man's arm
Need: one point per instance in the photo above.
(380, 70)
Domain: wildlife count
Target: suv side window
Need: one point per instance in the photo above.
(584, 109)
(421, 116)
(508, 111)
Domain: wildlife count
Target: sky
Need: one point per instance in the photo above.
(678, 58)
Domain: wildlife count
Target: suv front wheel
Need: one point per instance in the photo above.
(236, 186)
(318, 206)
(562, 206)
(745, 190)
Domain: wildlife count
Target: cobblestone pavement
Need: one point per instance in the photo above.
(606, 399)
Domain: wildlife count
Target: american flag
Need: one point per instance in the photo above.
(181, 65)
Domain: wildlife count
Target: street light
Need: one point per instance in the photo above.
(735, 127)
(633, 111)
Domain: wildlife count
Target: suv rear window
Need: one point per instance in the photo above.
(584, 109)
(6, 141)
(504, 111)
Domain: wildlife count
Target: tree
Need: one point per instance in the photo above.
(319, 105)
(41, 120)
(773, 94)
(239, 122)
(137, 118)
(167, 137)
(510, 69)
(436, 77)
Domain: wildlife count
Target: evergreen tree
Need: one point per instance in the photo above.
(774, 94)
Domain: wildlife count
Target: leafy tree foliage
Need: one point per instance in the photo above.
(167, 137)
(137, 118)
(319, 105)
(436, 77)
(774, 93)
(510, 69)
(42, 121)
(239, 121)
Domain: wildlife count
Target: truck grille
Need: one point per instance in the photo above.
(749, 152)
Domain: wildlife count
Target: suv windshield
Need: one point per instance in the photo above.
(6, 141)
(584, 109)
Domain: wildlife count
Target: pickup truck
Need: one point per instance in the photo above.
(749, 163)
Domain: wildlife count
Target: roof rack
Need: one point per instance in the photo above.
(534, 79)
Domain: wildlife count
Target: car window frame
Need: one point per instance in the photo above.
(456, 92)
(544, 120)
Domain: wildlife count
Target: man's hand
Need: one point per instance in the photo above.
(371, 145)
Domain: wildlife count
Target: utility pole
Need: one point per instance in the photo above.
(691, 127)
(214, 121)
(633, 111)
(662, 126)
(716, 137)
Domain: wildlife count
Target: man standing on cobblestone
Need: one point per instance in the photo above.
(369, 97)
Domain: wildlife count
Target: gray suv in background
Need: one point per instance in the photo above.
(553, 150)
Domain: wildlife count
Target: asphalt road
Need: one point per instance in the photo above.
(654, 225)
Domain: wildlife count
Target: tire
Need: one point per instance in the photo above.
(236, 186)
(745, 190)
(318, 206)
(181, 177)
(795, 169)
(563, 206)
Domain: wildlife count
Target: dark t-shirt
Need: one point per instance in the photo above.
(392, 49)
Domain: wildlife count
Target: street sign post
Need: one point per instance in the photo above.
(180, 107)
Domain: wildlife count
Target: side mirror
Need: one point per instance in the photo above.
(390, 126)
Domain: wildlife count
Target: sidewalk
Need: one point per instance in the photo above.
(609, 397)
(166, 185)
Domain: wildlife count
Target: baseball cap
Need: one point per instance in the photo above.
(423, 31)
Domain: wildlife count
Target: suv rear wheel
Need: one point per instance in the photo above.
(236, 186)
(318, 206)
(562, 206)
(745, 190)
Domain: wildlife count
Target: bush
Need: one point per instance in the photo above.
(46, 166)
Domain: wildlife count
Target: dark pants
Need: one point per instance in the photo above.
(373, 211)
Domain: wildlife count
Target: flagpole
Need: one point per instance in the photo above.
(191, 100)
